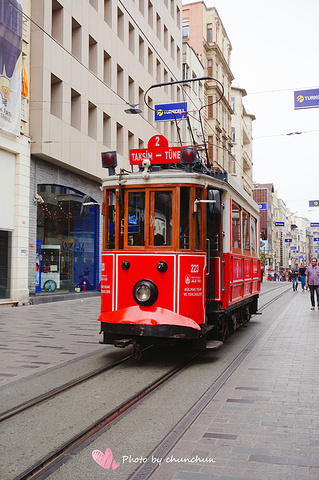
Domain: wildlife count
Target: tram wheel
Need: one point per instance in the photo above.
(136, 351)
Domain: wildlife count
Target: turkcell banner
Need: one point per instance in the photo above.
(262, 206)
(10, 65)
(307, 98)
(313, 203)
(170, 111)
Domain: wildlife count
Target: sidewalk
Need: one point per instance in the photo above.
(37, 337)
(263, 424)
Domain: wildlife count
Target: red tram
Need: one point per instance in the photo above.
(180, 260)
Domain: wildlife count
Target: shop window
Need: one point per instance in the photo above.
(67, 248)
(5, 264)
(236, 227)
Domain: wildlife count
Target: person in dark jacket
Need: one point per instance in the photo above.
(302, 275)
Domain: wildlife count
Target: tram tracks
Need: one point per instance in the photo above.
(65, 450)
(58, 455)
(58, 390)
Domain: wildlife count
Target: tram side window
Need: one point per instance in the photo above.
(246, 231)
(110, 234)
(136, 219)
(162, 215)
(198, 222)
(184, 216)
(236, 231)
(253, 228)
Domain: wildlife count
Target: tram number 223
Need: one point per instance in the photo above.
(194, 268)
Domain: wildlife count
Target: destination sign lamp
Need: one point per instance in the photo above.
(188, 157)
(109, 161)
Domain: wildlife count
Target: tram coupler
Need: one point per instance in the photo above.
(124, 342)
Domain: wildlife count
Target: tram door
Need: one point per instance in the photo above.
(214, 252)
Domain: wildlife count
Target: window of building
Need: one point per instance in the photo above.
(75, 109)
(150, 62)
(209, 32)
(158, 26)
(106, 130)
(57, 21)
(233, 134)
(120, 24)
(92, 120)
(131, 90)
(119, 138)
(210, 67)
(120, 81)
(166, 37)
(185, 71)
(107, 69)
(56, 96)
(76, 39)
(94, 4)
(93, 54)
(141, 6)
(236, 227)
(210, 107)
(131, 38)
(141, 50)
(150, 14)
(210, 148)
(108, 12)
(185, 29)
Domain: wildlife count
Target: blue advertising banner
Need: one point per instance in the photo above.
(262, 206)
(313, 203)
(10, 65)
(288, 240)
(279, 224)
(314, 224)
(170, 111)
(306, 98)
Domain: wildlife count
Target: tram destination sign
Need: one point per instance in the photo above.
(155, 155)
(306, 98)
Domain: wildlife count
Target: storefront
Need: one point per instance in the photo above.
(67, 252)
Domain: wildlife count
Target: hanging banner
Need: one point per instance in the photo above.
(10, 65)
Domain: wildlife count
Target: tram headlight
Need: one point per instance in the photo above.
(145, 292)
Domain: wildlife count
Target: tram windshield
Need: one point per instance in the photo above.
(151, 217)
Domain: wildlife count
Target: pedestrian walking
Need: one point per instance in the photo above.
(312, 281)
(302, 275)
(294, 277)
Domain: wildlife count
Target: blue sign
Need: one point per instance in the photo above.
(288, 240)
(170, 111)
(279, 224)
(262, 206)
(316, 239)
(314, 224)
(306, 98)
(313, 203)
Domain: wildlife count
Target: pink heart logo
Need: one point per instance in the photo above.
(115, 465)
(103, 459)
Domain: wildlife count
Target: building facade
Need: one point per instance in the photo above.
(91, 61)
(241, 131)
(14, 151)
(203, 29)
